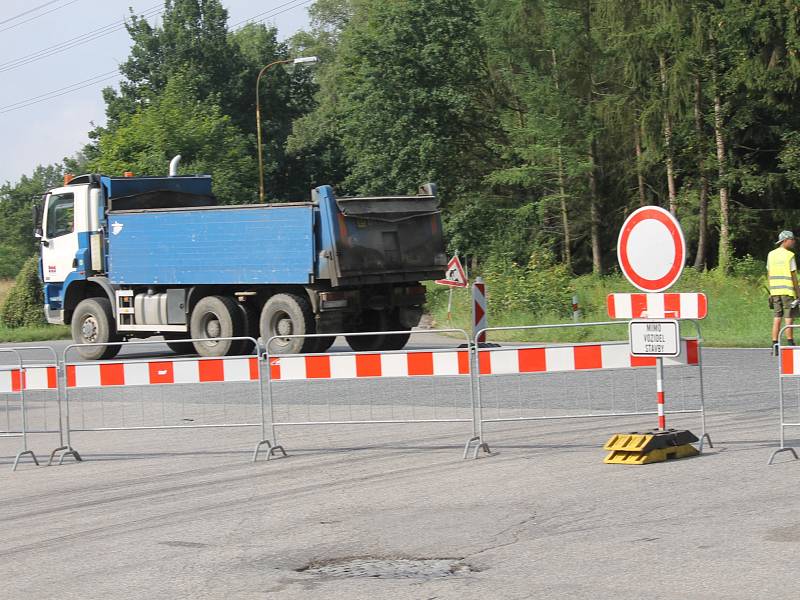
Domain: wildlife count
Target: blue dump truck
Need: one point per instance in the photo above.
(130, 257)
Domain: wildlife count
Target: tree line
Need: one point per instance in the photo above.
(544, 122)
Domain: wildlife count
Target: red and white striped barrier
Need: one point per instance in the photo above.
(357, 366)
(39, 377)
(109, 374)
(613, 355)
(657, 306)
(790, 362)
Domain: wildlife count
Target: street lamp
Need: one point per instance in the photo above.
(294, 61)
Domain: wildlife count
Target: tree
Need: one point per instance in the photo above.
(16, 225)
(179, 122)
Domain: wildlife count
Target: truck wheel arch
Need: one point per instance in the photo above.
(93, 287)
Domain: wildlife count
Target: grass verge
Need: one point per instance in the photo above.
(737, 307)
(34, 334)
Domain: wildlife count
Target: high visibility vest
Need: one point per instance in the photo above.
(779, 271)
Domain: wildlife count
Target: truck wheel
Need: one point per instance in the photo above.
(93, 323)
(287, 314)
(249, 329)
(177, 346)
(323, 344)
(396, 342)
(216, 317)
(371, 320)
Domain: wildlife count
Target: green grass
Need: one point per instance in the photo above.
(34, 334)
(737, 307)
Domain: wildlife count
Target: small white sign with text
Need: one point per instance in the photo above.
(654, 337)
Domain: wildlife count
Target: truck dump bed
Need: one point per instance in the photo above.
(348, 241)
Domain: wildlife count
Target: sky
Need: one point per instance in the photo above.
(72, 48)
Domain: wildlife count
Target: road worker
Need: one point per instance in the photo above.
(783, 289)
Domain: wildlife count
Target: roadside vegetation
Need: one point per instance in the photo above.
(21, 315)
(737, 305)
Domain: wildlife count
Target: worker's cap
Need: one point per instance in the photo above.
(785, 235)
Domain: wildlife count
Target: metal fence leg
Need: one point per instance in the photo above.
(477, 407)
(22, 453)
(272, 449)
(783, 447)
(66, 448)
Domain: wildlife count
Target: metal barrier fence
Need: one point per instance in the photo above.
(410, 390)
(36, 388)
(99, 395)
(788, 369)
(612, 380)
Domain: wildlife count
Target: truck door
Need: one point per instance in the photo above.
(65, 209)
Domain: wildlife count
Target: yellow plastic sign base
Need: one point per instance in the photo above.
(645, 448)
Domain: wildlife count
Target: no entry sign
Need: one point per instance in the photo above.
(651, 249)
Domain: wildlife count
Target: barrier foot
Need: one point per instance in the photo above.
(67, 451)
(778, 451)
(71, 451)
(480, 445)
(22, 453)
(271, 450)
(705, 438)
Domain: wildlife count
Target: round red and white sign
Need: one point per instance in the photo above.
(651, 249)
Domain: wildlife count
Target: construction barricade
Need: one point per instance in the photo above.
(130, 394)
(537, 382)
(30, 396)
(788, 373)
(432, 385)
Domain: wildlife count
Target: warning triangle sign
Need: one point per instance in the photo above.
(454, 276)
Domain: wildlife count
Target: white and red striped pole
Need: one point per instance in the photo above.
(662, 419)
(576, 308)
(479, 310)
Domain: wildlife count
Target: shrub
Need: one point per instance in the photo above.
(540, 287)
(22, 306)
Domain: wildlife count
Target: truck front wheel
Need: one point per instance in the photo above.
(216, 317)
(287, 314)
(93, 323)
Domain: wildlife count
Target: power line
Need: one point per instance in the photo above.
(27, 12)
(47, 12)
(29, 101)
(79, 40)
(101, 77)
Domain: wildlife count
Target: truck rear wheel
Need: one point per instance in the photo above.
(175, 344)
(216, 317)
(93, 323)
(371, 320)
(249, 329)
(287, 314)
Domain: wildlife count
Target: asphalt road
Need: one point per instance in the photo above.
(184, 514)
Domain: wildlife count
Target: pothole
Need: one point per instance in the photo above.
(389, 568)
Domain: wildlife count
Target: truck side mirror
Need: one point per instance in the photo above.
(37, 221)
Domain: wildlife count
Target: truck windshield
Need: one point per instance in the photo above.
(60, 219)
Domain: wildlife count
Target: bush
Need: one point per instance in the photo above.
(23, 305)
(540, 287)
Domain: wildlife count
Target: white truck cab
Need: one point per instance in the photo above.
(70, 239)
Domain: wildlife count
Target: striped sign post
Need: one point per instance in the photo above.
(479, 321)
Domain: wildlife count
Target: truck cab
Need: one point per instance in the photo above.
(128, 257)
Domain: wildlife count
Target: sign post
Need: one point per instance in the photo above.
(651, 251)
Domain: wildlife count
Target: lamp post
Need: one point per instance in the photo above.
(293, 61)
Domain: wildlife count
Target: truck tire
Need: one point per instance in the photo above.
(371, 320)
(397, 341)
(175, 344)
(288, 314)
(93, 323)
(323, 344)
(216, 317)
(249, 329)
